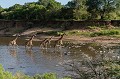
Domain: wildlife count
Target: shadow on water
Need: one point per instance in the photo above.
(42, 60)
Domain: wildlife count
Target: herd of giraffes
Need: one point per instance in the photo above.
(43, 43)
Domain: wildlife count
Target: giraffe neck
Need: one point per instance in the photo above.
(31, 38)
(50, 38)
(61, 37)
(16, 38)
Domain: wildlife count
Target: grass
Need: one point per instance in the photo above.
(67, 32)
(91, 31)
(85, 33)
(105, 33)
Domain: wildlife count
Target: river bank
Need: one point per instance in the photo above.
(79, 35)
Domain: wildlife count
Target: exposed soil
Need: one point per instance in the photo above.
(109, 41)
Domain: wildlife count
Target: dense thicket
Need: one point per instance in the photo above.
(73, 10)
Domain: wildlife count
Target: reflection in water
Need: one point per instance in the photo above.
(13, 50)
(51, 53)
(13, 53)
(10, 47)
(29, 53)
(46, 54)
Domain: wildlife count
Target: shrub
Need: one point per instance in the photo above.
(8, 75)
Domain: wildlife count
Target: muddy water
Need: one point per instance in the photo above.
(42, 60)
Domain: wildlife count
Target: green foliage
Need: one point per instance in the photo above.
(101, 7)
(50, 76)
(73, 10)
(78, 9)
(66, 14)
(73, 32)
(8, 75)
(53, 9)
(100, 31)
(34, 11)
(105, 33)
(5, 74)
(46, 76)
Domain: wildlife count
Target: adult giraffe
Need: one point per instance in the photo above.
(14, 41)
(29, 43)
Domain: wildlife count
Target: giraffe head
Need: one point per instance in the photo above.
(51, 37)
(16, 35)
(62, 34)
(33, 36)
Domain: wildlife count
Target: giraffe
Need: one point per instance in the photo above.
(13, 42)
(29, 42)
(59, 40)
(45, 42)
(42, 43)
(48, 41)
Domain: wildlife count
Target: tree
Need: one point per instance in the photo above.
(66, 13)
(15, 11)
(101, 7)
(34, 11)
(12, 12)
(79, 9)
(53, 9)
(15, 7)
(43, 2)
(1, 10)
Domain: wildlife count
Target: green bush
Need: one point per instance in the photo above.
(46, 76)
(8, 75)
(5, 74)
(73, 32)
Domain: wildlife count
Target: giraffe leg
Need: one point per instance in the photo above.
(46, 45)
(41, 46)
(61, 42)
(31, 46)
(15, 45)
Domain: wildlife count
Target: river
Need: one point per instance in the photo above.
(42, 60)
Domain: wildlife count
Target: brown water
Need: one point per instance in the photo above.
(38, 60)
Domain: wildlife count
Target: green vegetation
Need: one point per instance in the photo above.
(101, 9)
(105, 33)
(91, 31)
(8, 75)
(73, 10)
(67, 32)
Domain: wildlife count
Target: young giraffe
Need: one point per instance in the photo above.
(13, 42)
(29, 42)
(42, 43)
(48, 41)
(59, 40)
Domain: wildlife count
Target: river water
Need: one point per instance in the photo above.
(41, 60)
